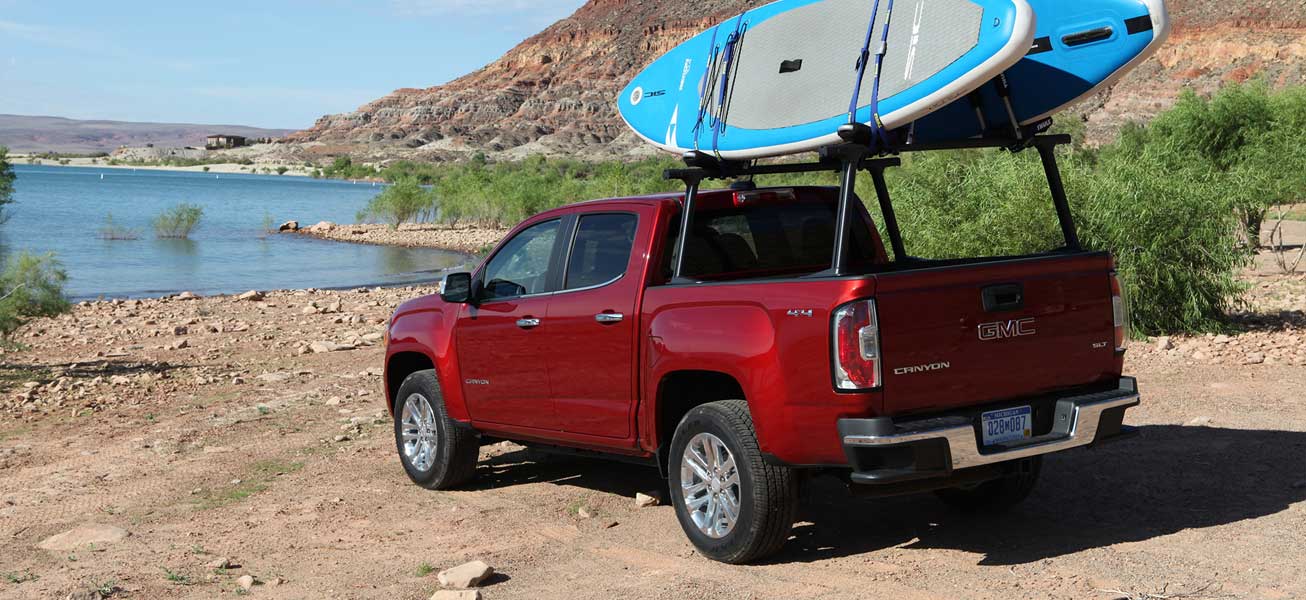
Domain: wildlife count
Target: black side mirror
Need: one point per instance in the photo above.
(457, 288)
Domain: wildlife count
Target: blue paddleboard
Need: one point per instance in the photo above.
(780, 79)
(1079, 49)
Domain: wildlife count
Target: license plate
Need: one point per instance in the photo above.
(1006, 425)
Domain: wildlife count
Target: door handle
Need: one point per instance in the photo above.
(528, 323)
(609, 317)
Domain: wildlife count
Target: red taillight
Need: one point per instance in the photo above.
(763, 196)
(856, 346)
(1119, 312)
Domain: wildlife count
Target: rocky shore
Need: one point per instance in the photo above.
(461, 238)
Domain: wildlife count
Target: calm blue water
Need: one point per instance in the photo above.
(62, 209)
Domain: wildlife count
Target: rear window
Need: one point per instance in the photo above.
(775, 240)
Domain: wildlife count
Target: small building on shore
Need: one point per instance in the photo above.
(222, 141)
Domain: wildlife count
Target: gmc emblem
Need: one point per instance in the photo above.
(1006, 329)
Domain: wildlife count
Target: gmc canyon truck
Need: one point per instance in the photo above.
(759, 364)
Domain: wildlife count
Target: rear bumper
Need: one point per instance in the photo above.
(883, 450)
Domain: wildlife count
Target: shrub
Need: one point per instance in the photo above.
(282, 170)
(31, 286)
(400, 203)
(178, 222)
(111, 230)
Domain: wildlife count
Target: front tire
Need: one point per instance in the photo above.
(435, 451)
(733, 506)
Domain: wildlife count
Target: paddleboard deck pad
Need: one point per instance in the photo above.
(1079, 49)
(779, 79)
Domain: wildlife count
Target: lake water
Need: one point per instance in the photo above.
(62, 209)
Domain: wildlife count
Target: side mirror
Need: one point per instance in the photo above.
(457, 288)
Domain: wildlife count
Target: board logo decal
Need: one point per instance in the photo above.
(684, 73)
(671, 127)
(917, 17)
(636, 96)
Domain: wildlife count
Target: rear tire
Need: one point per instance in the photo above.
(999, 495)
(717, 472)
(435, 451)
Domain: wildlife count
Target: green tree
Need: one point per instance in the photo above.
(6, 183)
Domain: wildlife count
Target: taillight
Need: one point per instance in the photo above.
(856, 339)
(1119, 312)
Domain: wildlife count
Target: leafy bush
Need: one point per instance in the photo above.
(399, 203)
(178, 222)
(1243, 142)
(31, 286)
(282, 170)
(343, 167)
(111, 230)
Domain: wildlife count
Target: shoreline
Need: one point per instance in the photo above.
(214, 168)
(467, 239)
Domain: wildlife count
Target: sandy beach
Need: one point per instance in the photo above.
(217, 168)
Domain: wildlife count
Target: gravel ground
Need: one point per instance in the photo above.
(251, 433)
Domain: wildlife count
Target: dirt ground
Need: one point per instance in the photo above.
(261, 439)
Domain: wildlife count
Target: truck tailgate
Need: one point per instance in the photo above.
(969, 334)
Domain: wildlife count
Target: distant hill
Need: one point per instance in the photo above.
(57, 134)
(555, 93)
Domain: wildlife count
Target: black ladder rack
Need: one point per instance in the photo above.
(849, 158)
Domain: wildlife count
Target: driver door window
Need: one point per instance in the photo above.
(521, 268)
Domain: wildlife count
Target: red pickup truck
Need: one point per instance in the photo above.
(757, 365)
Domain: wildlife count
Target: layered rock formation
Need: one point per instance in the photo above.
(555, 92)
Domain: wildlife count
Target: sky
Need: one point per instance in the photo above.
(274, 63)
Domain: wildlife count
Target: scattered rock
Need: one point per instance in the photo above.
(84, 535)
(222, 563)
(1254, 358)
(1163, 343)
(179, 344)
(456, 595)
(289, 226)
(610, 524)
(180, 330)
(584, 512)
(251, 296)
(245, 582)
(321, 227)
(465, 575)
(1222, 339)
(321, 347)
(341, 438)
(644, 500)
(186, 296)
(274, 377)
(1199, 422)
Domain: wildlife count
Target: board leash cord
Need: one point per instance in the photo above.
(707, 87)
(732, 49)
(878, 140)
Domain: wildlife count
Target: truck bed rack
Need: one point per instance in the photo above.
(856, 154)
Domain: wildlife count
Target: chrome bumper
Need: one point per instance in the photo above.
(951, 443)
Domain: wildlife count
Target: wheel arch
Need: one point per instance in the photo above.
(678, 392)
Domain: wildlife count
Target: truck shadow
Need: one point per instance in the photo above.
(521, 467)
(1167, 479)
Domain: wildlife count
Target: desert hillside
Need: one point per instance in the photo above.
(56, 134)
(555, 92)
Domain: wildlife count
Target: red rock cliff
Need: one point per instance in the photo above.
(555, 92)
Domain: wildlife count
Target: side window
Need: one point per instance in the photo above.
(602, 249)
(522, 266)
